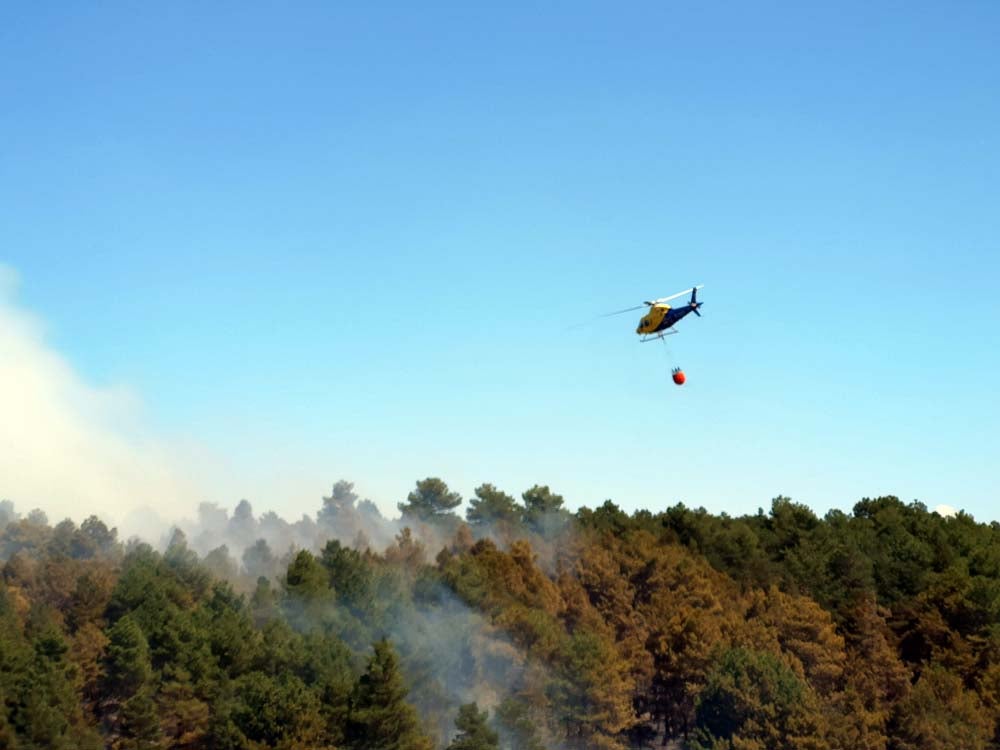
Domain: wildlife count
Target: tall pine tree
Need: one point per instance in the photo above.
(380, 717)
(130, 713)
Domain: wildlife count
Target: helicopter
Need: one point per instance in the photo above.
(661, 318)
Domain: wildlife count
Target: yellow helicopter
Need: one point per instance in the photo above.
(661, 318)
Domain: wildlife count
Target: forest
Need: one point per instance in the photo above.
(517, 625)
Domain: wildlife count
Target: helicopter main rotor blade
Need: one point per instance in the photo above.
(679, 294)
(619, 312)
(605, 315)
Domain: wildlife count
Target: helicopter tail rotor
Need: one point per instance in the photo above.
(695, 304)
(694, 296)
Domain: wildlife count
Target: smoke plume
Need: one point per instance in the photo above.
(67, 446)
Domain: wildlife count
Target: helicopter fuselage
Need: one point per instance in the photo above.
(661, 317)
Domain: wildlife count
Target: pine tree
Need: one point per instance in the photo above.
(380, 717)
(752, 699)
(128, 682)
(339, 514)
(474, 732)
(140, 727)
(431, 499)
(48, 712)
(517, 726)
(127, 667)
(259, 561)
(940, 714)
(491, 505)
(543, 510)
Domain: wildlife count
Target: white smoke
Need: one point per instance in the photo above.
(68, 447)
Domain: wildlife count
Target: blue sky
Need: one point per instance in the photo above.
(350, 240)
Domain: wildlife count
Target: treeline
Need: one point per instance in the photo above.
(522, 626)
(875, 629)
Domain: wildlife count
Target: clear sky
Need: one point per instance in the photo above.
(325, 240)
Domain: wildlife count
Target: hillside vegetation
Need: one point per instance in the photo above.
(522, 627)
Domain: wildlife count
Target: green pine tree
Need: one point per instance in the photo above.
(491, 505)
(517, 726)
(380, 717)
(431, 499)
(474, 732)
(140, 726)
(129, 683)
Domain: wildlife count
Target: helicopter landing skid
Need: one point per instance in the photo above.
(644, 339)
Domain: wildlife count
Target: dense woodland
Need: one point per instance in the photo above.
(521, 627)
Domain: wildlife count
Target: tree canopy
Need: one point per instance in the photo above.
(877, 629)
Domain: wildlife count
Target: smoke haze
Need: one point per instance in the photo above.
(74, 449)
(69, 447)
